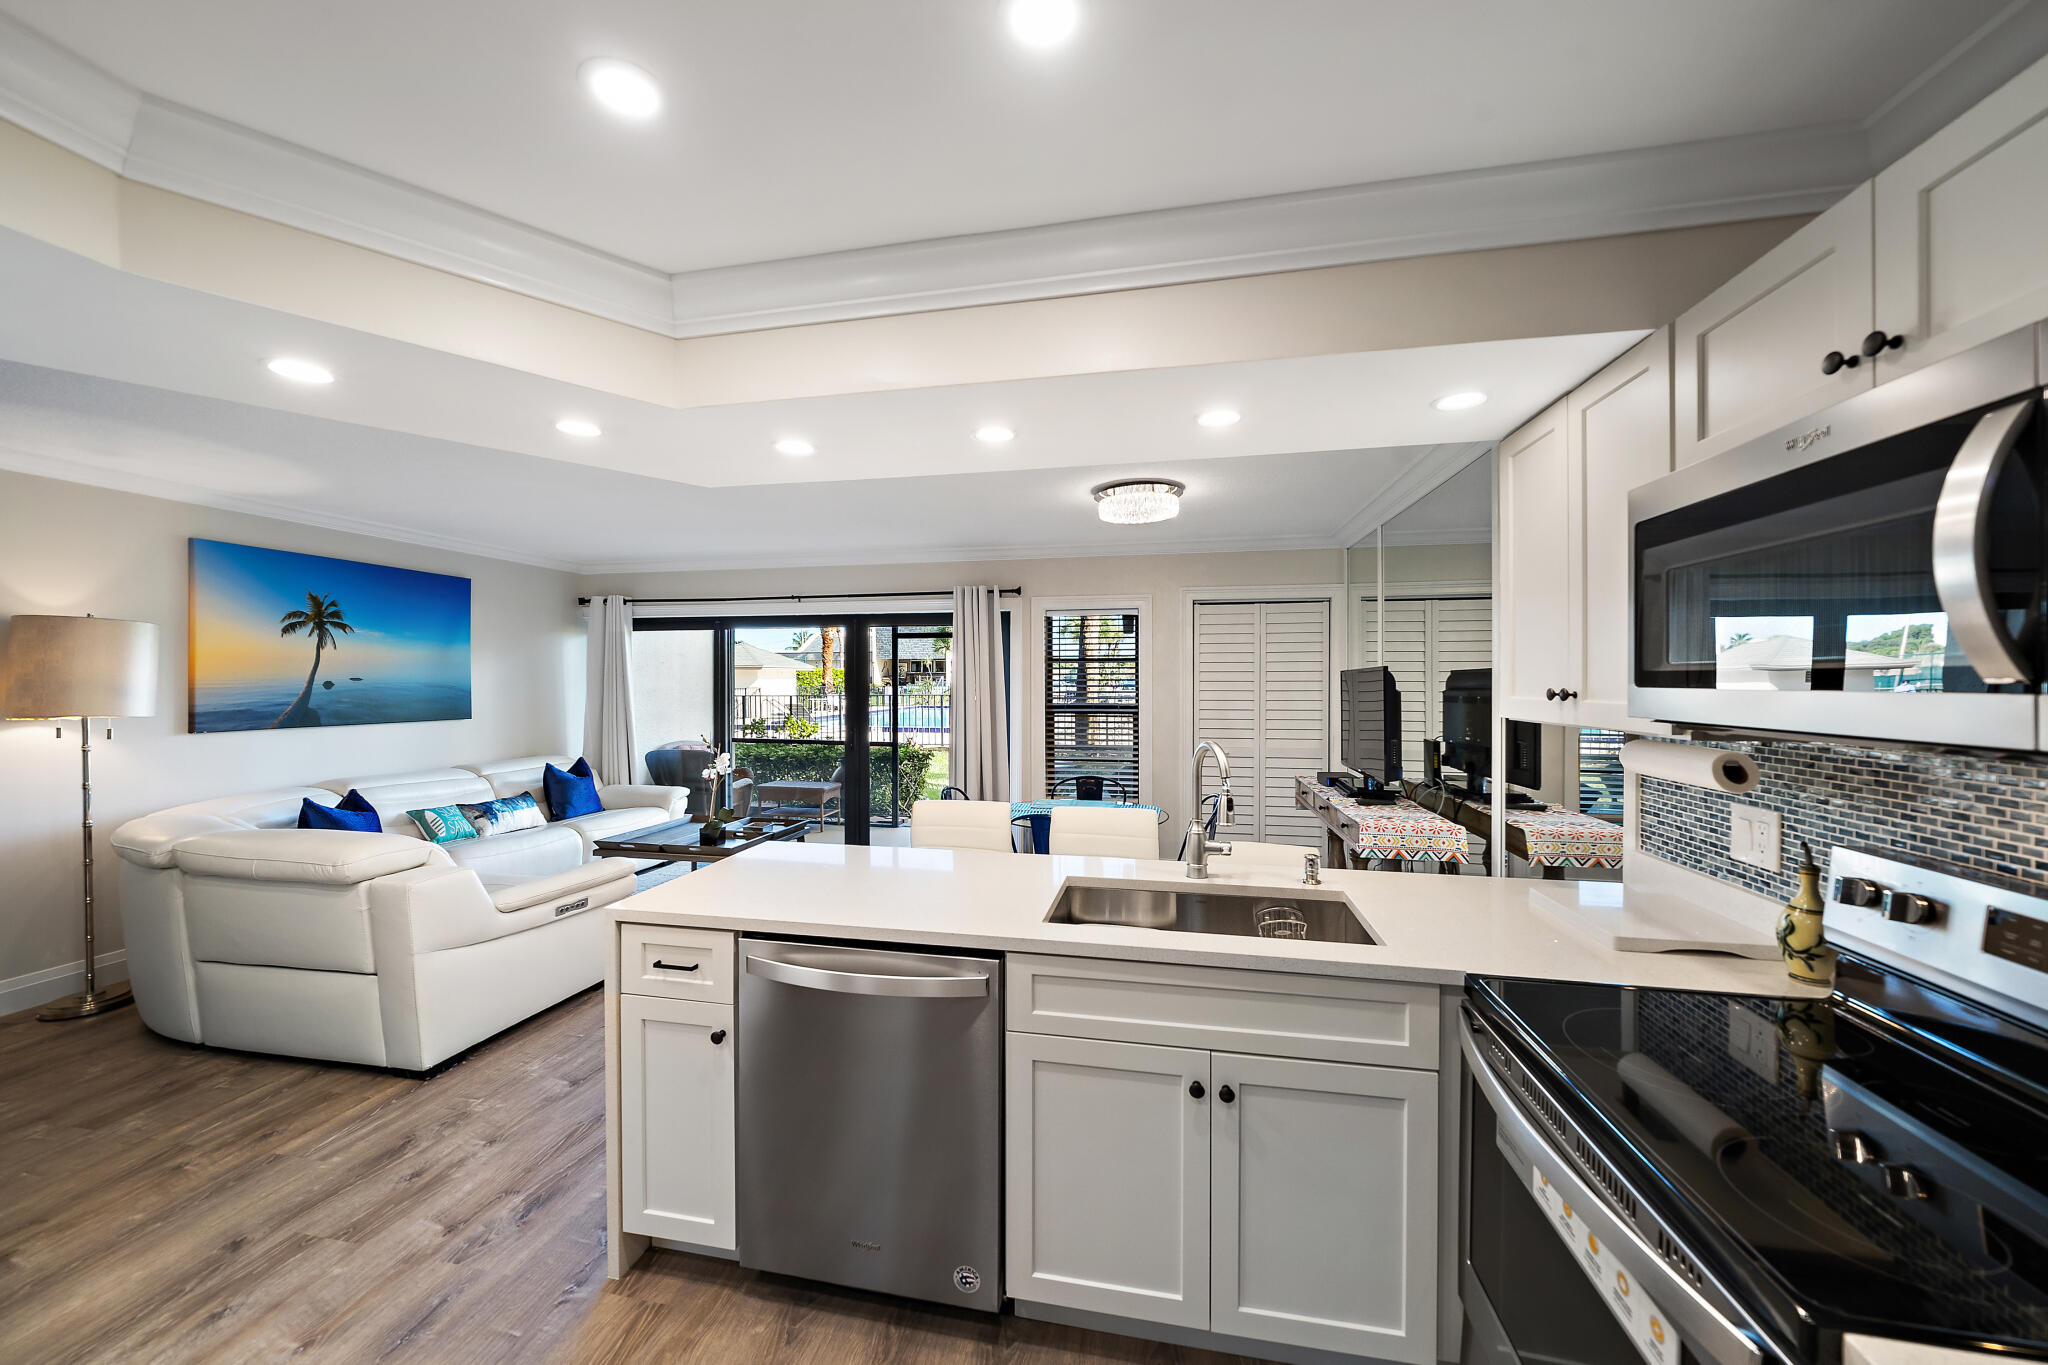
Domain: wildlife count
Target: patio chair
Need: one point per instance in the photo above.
(806, 794)
(1089, 787)
(742, 796)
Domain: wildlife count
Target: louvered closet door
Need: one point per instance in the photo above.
(1428, 639)
(1262, 693)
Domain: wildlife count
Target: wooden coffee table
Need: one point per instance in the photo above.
(678, 840)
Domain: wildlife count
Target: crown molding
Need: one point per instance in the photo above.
(189, 153)
(960, 554)
(1409, 487)
(19, 461)
(57, 95)
(62, 98)
(1448, 535)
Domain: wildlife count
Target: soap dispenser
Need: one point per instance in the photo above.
(1802, 939)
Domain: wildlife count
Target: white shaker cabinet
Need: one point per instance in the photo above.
(1753, 355)
(1618, 436)
(1538, 533)
(1324, 1205)
(1108, 1177)
(676, 1172)
(1962, 229)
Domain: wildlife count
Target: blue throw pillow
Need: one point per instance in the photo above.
(343, 815)
(571, 793)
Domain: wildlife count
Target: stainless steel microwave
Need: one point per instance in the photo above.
(1874, 572)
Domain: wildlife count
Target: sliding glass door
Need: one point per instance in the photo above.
(806, 704)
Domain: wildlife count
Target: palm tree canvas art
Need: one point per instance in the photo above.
(282, 640)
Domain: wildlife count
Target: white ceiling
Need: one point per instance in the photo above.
(796, 127)
(546, 511)
(68, 313)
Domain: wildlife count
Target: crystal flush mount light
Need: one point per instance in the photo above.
(1136, 502)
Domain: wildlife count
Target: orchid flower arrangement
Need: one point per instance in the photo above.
(716, 772)
(720, 767)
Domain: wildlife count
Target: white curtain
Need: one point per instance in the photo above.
(981, 738)
(608, 692)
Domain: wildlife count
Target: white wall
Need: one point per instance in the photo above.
(1159, 577)
(68, 549)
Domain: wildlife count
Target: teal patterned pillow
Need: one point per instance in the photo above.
(443, 824)
(505, 814)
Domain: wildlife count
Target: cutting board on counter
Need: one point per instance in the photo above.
(1643, 920)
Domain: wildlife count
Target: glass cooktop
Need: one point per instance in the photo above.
(1874, 1162)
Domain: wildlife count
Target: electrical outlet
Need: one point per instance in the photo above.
(1755, 835)
(1753, 1041)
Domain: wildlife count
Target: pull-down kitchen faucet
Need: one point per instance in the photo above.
(1200, 846)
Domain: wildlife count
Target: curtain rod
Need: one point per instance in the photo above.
(793, 597)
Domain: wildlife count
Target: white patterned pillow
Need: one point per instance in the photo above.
(505, 814)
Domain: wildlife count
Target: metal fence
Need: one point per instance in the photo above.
(921, 715)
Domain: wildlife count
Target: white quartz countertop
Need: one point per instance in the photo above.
(1428, 928)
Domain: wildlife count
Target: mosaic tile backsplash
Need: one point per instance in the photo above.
(1983, 816)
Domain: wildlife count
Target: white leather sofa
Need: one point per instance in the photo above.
(385, 949)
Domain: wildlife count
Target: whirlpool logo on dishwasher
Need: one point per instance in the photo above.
(866, 1246)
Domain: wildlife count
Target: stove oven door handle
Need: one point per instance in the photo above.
(1713, 1336)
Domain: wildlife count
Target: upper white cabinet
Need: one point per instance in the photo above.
(1324, 1206)
(1618, 435)
(1538, 536)
(1753, 355)
(1962, 229)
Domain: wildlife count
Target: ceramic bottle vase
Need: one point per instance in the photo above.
(1802, 939)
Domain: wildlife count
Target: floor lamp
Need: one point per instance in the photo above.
(58, 667)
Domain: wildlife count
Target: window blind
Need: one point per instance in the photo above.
(1091, 700)
(1600, 775)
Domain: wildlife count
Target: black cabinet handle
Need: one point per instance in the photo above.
(1879, 341)
(1195, 1089)
(717, 1036)
(1566, 694)
(1835, 360)
(1226, 1094)
(672, 967)
(1552, 694)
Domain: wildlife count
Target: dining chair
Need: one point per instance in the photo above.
(961, 824)
(1104, 831)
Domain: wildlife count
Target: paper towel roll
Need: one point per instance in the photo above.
(1714, 769)
(1689, 1114)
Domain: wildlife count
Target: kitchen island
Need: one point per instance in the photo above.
(1214, 1138)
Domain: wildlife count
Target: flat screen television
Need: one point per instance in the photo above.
(1369, 723)
(1468, 724)
(1468, 733)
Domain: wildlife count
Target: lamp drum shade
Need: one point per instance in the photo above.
(56, 667)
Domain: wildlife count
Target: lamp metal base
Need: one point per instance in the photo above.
(86, 1006)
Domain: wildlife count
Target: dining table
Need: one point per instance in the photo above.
(1036, 816)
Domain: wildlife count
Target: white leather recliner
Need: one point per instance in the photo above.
(384, 949)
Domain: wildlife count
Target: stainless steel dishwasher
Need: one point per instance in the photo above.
(870, 1118)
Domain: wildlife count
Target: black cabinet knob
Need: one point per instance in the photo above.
(1552, 694)
(1195, 1089)
(1835, 360)
(717, 1036)
(1226, 1094)
(1879, 341)
(1566, 694)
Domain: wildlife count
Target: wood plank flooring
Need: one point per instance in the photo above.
(165, 1204)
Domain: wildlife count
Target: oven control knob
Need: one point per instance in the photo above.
(1858, 891)
(1903, 1182)
(1851, 1145)
(1908, 907)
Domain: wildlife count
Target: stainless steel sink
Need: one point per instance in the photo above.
(1273, 914)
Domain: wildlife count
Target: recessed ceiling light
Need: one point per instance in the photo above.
(621, 87)
(1043, 23)
(301, 371)
(576, 426)
(795, 445)
(1138, 502)
(1458, 402)
(995, 436)
(1219, 417)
